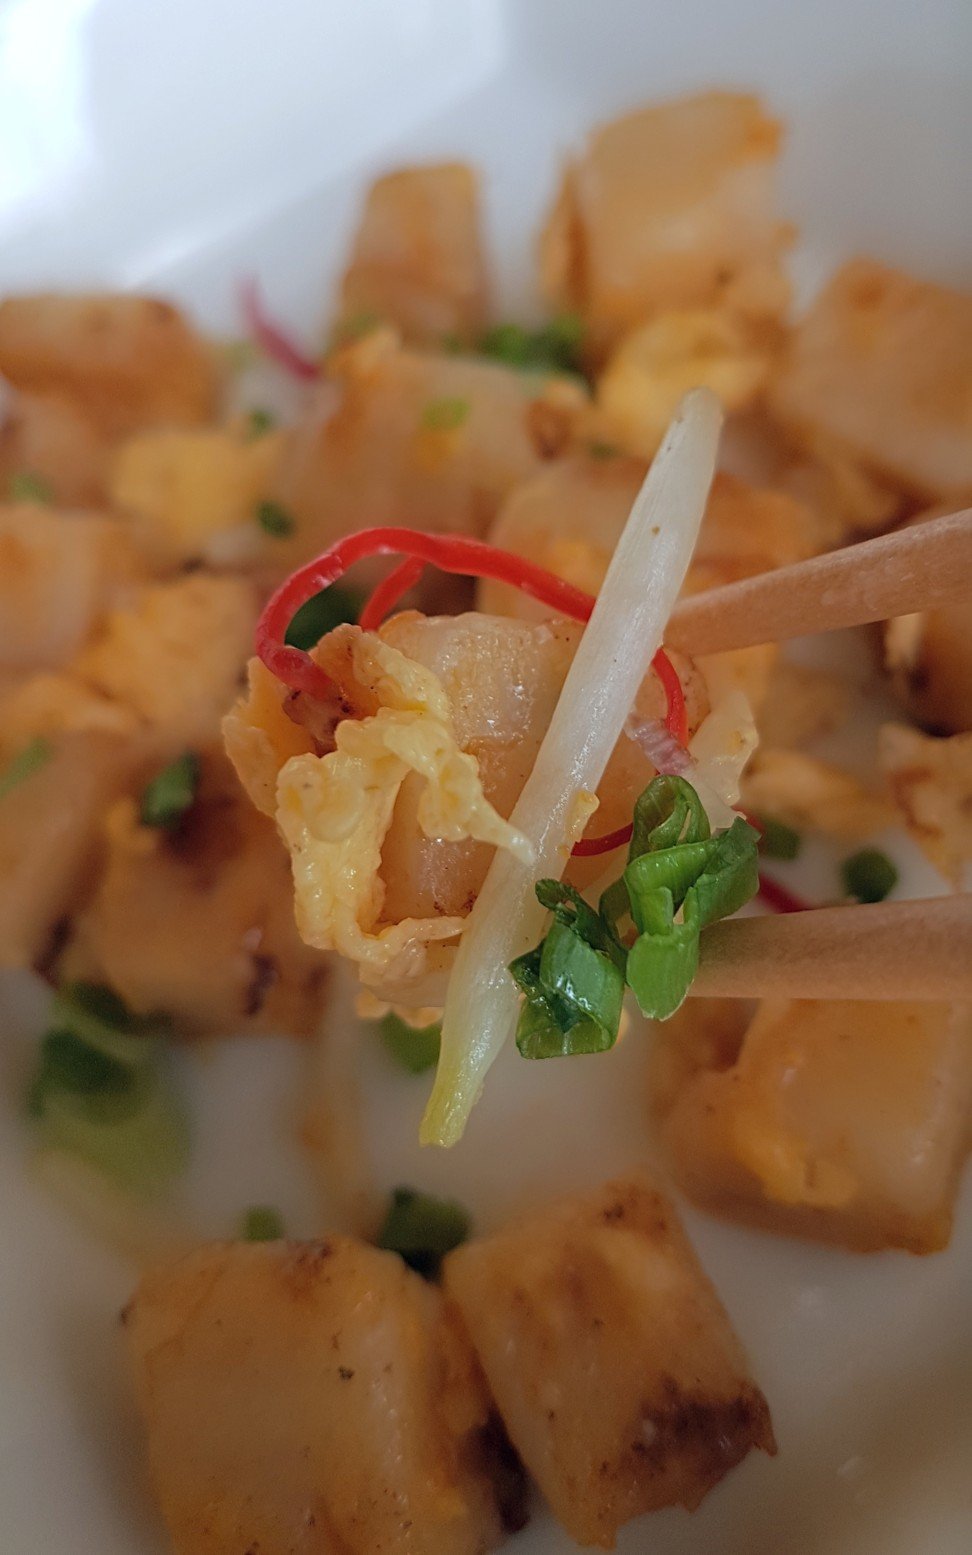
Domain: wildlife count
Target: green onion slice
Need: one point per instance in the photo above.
(573, 980)
(667, 812)
(27, 487)
(171, 792)
(554, 347)
(445, 415)
(275, 520)
(24, 765)
(778, 840)
(422, 1229)
(869, 875)
(262, 1223)
(104, 1090)
(99, 1018)
(415, 1048)
(321, 614)
(259, 422)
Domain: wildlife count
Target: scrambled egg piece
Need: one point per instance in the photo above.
(335, 810)
(931, 781)
(654, 365)
(260, 738)
(195, 493)
(174, 656)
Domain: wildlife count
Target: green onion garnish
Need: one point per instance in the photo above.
(321, 614)
(23, 765)
(869, 875)
(99, 1018)
(555, 347)
(262, 1223)
(678, 879)
(354, 327)
(598, 450)
(104, 1090)
(705, 880)
(239, 355)
(573, 980)
(171, 792)
(258, 423)
(67, 1063)
(27, 487)
(423, 1229)
(777, 840)
(445, 415)
(275, 520)
(415, 1048)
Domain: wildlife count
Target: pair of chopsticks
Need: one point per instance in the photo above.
(891, 950)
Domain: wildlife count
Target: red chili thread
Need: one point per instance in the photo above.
(590, 847)
(779, 898)
(390, 592)
(272, 339)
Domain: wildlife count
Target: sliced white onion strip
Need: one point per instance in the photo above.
(615, 652)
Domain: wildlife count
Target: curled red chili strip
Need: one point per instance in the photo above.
(390, 592)
(271, 338)
(450, 553)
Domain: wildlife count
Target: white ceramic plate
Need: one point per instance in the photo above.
(179, 143)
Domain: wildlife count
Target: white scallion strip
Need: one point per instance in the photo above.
(615, 653)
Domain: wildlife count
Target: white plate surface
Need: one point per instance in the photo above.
(180, 143)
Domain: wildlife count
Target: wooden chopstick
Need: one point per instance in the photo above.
(920, 568)
(891, 950)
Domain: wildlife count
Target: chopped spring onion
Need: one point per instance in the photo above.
(705, 880)
(869, 875)
(422, 1229)
(555, 347)
(275, 520)
(599, 450)
(778, 840)
(354, 327)
(415, 1048)
(321, 614)
(574, 980)
(262, 1223)
(67, 1063)
(259, 421)
(97, 1016)
(614, 655)
(171, 792)
(445, 415)
(104, 1091)
(23, 765)
(27, 487)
